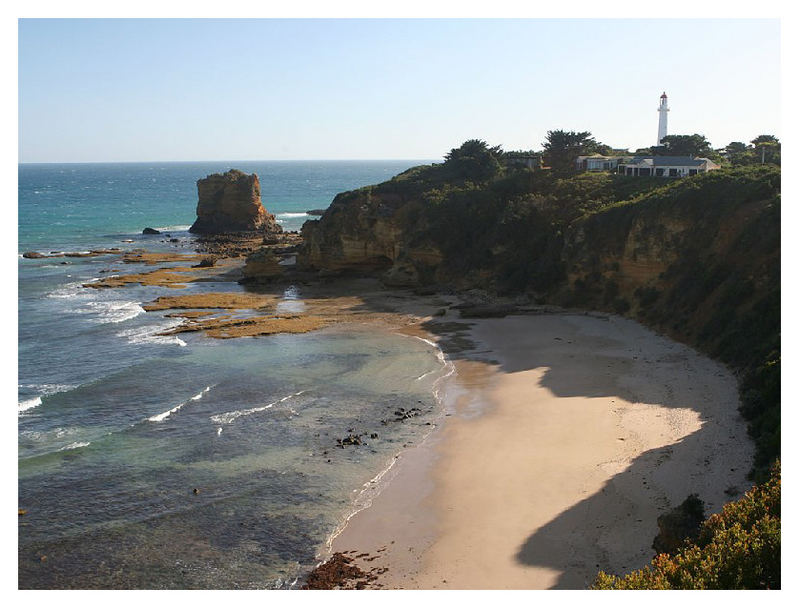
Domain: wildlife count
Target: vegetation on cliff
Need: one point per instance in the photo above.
(697, 258)
(700, 260)
(738, 548)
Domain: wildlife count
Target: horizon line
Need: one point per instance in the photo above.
(220, 161)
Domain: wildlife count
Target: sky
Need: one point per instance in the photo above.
(108, 90)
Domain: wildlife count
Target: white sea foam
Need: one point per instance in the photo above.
(48, 388)
(446, 364)
(291, 214)
(160, 417)
(69, 290)
(370, 490)
(43, 389)
(74, 445)
(150, 334)
(24, 405)
(173, 228)
(422, 376)
(229, 417)
(114, 311)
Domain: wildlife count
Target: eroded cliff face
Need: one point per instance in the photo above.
(363, 232)
(231, 202)
(696, 258)
(700, 263)
(681, 267)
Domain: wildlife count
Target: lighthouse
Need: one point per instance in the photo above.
(662, 118)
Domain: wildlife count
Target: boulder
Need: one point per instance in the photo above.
(231, 202)
(262, 264)
(678, 525)
(151, 231)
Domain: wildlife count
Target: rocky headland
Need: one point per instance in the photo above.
(697, 259)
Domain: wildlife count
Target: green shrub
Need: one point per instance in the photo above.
(738, 548)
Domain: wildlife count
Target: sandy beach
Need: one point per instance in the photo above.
(565, 436)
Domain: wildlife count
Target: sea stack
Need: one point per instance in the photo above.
(231, 202)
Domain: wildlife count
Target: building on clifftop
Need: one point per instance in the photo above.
(666, 166)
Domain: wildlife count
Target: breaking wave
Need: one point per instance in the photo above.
(173, 228)
(74, 445)
(150, 334)
(160, 417)
(42, 389)
(23, 405)
(114, 311)
(229, 417)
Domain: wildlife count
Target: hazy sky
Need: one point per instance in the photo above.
(145, 90)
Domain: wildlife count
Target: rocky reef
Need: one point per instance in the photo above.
(231, 202)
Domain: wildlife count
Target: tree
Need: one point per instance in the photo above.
(474, 160)
(764, 149)
(768, 149)
(684, 145)
(562, 148)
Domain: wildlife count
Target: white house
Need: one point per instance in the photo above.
(598, 162)
(666, 166)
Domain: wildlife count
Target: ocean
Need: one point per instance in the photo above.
(184, 462)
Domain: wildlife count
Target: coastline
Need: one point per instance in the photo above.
(565, 436)
(562, 437)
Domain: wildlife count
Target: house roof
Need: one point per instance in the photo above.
(668, 161)
(674, 161)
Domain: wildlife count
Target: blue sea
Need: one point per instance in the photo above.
(150, 461)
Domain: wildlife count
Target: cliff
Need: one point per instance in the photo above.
(371, 231)
(700, 261)
(697, 258)
(231, 202)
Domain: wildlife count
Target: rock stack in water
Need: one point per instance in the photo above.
(231, 202)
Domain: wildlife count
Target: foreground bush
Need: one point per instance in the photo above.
(739, 548)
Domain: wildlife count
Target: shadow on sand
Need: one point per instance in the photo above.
(613, 529)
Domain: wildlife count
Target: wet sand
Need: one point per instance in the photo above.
(565, 437)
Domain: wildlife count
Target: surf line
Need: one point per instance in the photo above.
(160, 417)
(229, 417)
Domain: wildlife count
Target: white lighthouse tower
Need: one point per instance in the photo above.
(662, 118)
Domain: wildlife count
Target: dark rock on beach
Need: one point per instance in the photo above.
(208, 261)
(351, 440)
(679, 524)
(151, 231)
